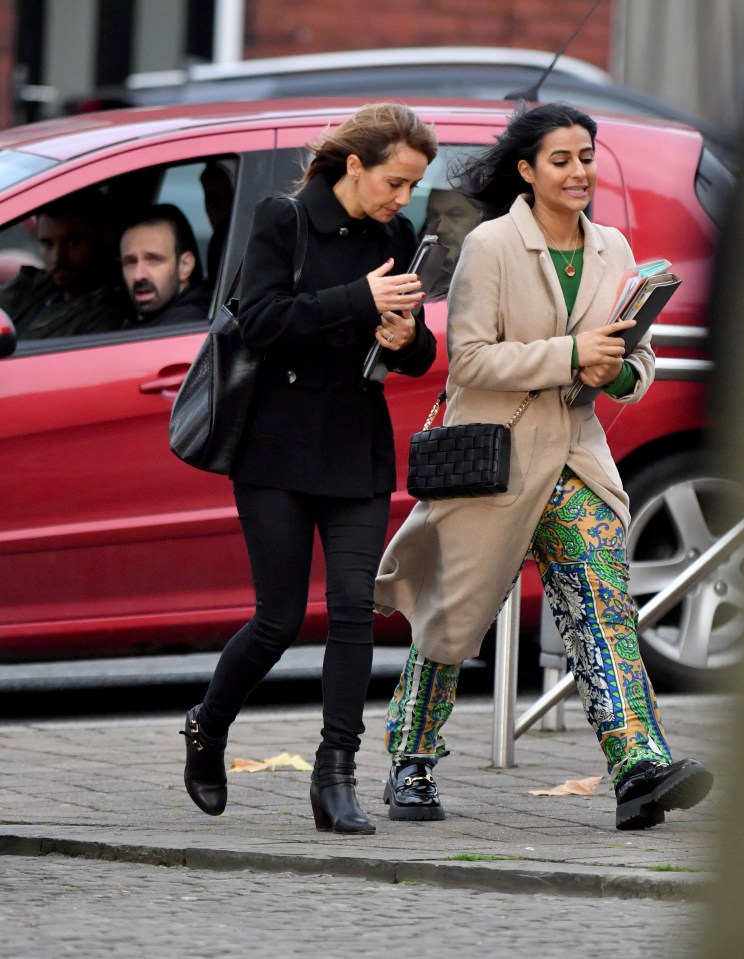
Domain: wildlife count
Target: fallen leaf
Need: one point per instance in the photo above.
(246, 766)
(572, 787)
(270, 765)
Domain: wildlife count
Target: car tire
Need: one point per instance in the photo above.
(680, 506)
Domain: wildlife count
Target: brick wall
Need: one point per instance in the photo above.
(7, 61)
(276, 28)
(315, 26)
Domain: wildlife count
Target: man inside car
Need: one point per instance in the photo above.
(451, 216)
(78, 290)
(160, 265)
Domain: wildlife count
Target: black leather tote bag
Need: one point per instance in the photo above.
(211, 408)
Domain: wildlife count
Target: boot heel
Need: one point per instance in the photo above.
(332, 797)
(323, 822)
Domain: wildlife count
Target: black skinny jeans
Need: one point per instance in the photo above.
(279, 527)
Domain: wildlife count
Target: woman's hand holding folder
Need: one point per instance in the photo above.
(600, 353)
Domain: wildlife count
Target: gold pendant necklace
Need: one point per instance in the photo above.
(569, 268)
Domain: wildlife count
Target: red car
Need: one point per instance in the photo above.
(109, 545)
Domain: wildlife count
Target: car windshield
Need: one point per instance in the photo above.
(16, 166)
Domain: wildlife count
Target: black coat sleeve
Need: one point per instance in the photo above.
(417, 358)
(270, 313)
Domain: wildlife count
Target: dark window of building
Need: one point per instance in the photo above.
(114, 47)
(30, 17)
(200, 30)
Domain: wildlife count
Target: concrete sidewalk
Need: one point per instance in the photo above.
(113, 789)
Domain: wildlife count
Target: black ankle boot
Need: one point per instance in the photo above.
(204, 775)
(332, 795)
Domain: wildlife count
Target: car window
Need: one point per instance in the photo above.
(439, 207)
(16, 166)
(61, 274)
(436, 204)
(181, 185)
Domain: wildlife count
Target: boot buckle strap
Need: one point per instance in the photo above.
(337, 780)
(199, 746)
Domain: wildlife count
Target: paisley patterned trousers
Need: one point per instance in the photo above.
(579, 548)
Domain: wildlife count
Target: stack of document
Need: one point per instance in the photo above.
(642, 294)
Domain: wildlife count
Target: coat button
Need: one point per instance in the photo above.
(291, 377)
(343, 231)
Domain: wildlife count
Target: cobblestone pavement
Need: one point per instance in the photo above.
(53, 907)
(103, 854)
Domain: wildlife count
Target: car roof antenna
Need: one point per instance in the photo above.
(532, 94)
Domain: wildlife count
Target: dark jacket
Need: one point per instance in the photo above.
(316, 426)
(191, 305)
(38, 310)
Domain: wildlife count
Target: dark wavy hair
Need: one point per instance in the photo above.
(491, 179)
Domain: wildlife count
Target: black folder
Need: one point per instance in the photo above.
(644, 307)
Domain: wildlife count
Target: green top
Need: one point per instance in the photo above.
(626, 380)
(569, 284)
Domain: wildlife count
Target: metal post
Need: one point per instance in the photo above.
(554, 719)
(505, 680)
(229, 25)
(546, 702)
(553, 663)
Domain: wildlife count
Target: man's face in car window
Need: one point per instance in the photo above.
(70, 251)
(152, 271)
(456, 215)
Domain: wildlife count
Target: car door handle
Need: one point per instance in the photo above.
(166, 382)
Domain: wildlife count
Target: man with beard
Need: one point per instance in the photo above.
(161, 270)
(78, 290)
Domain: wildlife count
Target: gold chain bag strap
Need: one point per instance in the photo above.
(471, 459)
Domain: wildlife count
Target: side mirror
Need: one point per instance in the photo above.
(7, 335)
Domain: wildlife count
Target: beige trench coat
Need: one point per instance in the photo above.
(451, 564)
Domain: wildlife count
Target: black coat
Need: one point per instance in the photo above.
(316, 426)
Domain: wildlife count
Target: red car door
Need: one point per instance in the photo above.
(108, 541)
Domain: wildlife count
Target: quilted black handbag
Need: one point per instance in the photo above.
(471, 459)
(211, 408)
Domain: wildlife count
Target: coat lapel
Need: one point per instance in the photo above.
(591, 275)
(534, 240)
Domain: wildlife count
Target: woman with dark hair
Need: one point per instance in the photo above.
(318, 450)
(528, 308)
